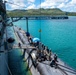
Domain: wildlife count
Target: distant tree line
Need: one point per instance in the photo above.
(41, 11)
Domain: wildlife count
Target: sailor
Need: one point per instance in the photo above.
(24, 53)
(33, 56)
(36, 44)
(28, 35)
(53, 63)
(50, 55)
(42, 55)
(42, 47)
(30, 41)
(19, 44)
(55, 57)
(34, 61)
(45, 54)
(47, 50)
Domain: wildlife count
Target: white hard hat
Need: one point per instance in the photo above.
(33, 55)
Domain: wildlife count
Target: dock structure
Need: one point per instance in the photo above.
(45, 17)
(40, 68)
(22, 46)
(41, 17)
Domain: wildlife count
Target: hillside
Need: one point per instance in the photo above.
(40, 11)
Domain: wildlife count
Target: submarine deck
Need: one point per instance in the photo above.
(42, 68)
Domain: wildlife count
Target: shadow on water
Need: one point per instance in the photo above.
(15, 59)
(22, 56)
(16, 64)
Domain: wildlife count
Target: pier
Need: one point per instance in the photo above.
(39, 17)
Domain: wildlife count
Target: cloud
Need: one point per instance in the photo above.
(18, 4)
(52, 3)
(65, 5)
(61, 5)
(32, 6)
(73, 2)
(31, 1)
(69, 6)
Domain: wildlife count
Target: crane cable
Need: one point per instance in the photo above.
(40, 23)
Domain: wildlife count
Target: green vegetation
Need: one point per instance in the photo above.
(41, 11)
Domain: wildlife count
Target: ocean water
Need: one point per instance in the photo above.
(59, 35)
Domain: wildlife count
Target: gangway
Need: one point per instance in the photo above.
(22, 46)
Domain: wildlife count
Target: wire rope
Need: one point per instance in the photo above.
(14, 4)
(8, 67)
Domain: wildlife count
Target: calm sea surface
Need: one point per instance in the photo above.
(59, 35)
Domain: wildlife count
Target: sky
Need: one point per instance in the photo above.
(65, 5)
